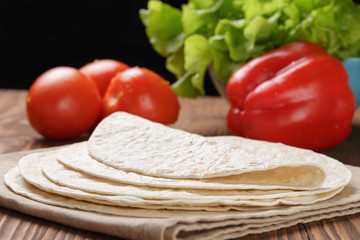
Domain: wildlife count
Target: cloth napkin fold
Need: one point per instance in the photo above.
(219, 226)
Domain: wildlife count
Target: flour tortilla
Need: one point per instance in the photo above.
(179, 224)
(63, 175)
(15, 181)
(76, 157)
(30, 168)
(131, 143)
(35, 177)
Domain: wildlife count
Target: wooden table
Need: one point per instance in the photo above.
(203, 116)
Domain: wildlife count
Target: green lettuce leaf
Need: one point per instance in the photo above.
(197, 59)
(225, 34)
(175, 63)
(184, 87)
(163, 27)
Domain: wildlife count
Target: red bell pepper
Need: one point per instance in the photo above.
(297, 94)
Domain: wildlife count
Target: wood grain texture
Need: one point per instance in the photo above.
(204, 116)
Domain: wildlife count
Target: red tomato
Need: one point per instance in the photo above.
(63, 103)
(144, 93)
(102, 71)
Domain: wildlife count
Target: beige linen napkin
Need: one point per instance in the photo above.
(219, 226)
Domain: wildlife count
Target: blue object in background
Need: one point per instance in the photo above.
(352, 66)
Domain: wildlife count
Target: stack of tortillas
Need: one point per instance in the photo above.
(133, 167)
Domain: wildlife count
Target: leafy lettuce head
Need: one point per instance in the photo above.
(228, 33)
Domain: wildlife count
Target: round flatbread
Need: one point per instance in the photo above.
(76, 157)
(86, 188)
(15, 181)
(131, 143)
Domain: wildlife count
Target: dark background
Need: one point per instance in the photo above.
(36, 35)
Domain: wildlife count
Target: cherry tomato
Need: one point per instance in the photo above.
(101, 71)
(63, 103)
(141, 92)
